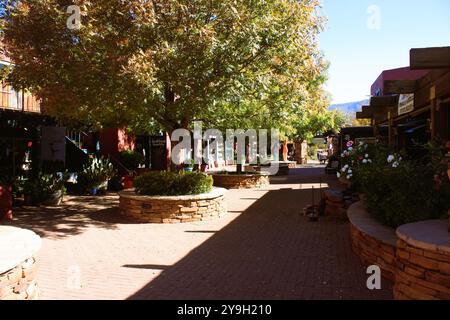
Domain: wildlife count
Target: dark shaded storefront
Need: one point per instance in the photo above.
(20, 138)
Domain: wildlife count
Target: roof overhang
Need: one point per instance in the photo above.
(430, 58)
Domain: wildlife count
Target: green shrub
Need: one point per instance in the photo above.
(401, 191)
(173, 184)
(131, 159)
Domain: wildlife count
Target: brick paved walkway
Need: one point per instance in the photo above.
(262, 249)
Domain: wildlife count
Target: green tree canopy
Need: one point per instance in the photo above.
(164, 63)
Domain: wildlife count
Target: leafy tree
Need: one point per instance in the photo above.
(317, 120)
(162, 64)
(361, 122)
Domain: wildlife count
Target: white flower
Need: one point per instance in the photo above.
(367, 156)
(338, 175)
(350, 171)
(390, 159)
(365, 161)
(369, 160)
(395, 164)
(349, 176)
(344, 169)
(350, 149)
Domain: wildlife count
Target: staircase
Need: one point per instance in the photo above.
(76, 157)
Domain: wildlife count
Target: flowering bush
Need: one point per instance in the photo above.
(351, 159)
(400, 191)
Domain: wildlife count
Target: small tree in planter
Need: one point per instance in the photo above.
(95, 176)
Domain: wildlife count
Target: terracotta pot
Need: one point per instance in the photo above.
(6, 202)
(128, 182)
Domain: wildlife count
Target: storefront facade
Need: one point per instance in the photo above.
(412, 103)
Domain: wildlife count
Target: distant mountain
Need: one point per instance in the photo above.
(350, 107)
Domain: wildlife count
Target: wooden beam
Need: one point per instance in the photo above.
(430, 58)
(400, 86)
(384, 101)
(367, 109)
(364, 115)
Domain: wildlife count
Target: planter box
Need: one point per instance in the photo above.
(173, 209)
(240, 181)
(18, 267)
(372, 242)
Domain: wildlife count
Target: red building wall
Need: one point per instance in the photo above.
(114, 141)
(377, 88)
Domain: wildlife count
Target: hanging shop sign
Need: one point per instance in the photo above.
(405, 103)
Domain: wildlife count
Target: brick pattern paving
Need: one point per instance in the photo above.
(262, 249)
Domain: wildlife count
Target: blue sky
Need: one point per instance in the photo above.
(359, 45)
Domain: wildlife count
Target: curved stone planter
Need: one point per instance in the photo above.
(283, 167)
(374, 243)
(423, 261)
(18, 249)
(176, 209)
(240, 181)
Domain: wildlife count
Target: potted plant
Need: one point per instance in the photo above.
(95, 176)
(189, 165)
(128, 181)
(47, 189)
(53, 189)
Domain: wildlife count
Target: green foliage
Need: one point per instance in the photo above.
(400, 191)
(173, 184)
(314, 121)
(314, 148)
(96, 174)
(131, 159)
(162, 64)
(42, 187)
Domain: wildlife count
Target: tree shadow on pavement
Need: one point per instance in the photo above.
(269, 252)
(72, 217)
